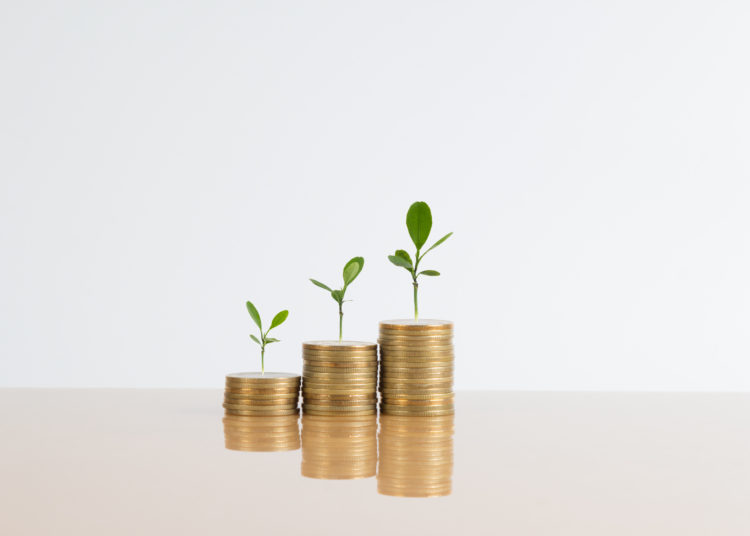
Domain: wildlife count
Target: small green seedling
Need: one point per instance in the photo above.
(264, 338)
(419, 224)
(351, 271)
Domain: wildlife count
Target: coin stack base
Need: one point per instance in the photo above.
(270, 394)
(339, 447)
(416, 456)
(250, 433)
(339, 378)
(416, 367)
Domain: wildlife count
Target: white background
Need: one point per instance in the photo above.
(162, 162)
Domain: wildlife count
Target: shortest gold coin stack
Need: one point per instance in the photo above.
(258, 394)
(339, 378)
(416, 367)
(250, 433)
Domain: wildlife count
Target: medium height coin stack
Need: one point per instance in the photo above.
(339, 447)
(416, 367)
(258, 394)
(339, 378)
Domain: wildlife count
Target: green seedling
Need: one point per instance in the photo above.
(419, 224)
(351, 271)
(264, 338)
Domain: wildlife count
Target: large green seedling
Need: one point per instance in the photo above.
(351, 271)
(264, 338)
(419, 224)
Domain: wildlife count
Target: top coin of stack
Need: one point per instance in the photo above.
(339, 378)
(416, 374)
(255, 393)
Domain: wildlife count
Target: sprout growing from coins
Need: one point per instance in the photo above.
(264, 338)
(351, 271)
(419, 224)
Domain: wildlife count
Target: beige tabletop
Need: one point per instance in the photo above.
(154, 462)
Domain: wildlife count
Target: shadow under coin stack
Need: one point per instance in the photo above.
(339, 447)
(339, 378)
(416, 456)
(416, 367)
(257, 394)
(261, 434)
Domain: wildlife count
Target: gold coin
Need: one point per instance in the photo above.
(255, 412)
(414, 341)
(258, 377)
(259, 407)
(432, 349)
(417, 403)
(361, 371)
(250, 396)
(262, 390)
(332, 381)
(339, 392)
(416, 397)
(336, 409)
(398, 410)
(340, 403)
(340, 396)
(356, 365)
(388, 375)
(416, 325)
(415, 353)
(326, 413)
(340, 346)
(260, 403)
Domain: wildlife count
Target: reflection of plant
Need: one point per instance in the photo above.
(351, 271)
(419, 224)
(264, 338)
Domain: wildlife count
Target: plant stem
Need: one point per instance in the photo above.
(416, 307)
(262, 360)
(341, 321)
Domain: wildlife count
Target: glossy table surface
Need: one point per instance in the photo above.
(156, 462)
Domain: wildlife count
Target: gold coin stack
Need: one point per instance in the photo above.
(416, 367)
(339, 378)
(249, 433)
(258, 394)
(339, 447)
(416, 456)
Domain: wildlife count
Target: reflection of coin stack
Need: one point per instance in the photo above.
(336, 447)
(416, 374)
(261, 434)
(254, 393)
(416, 456)
(339, 378)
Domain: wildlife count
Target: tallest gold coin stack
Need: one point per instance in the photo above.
(416, 367)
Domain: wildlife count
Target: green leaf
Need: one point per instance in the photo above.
(269, 340)
(419, 223)
(279, 319)
(436, 244)
(253, 337)
(321, 285)
(338, 295)
(254, 314)
(404, 255)
(352, 269)
(429, 272)
(400, 261)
